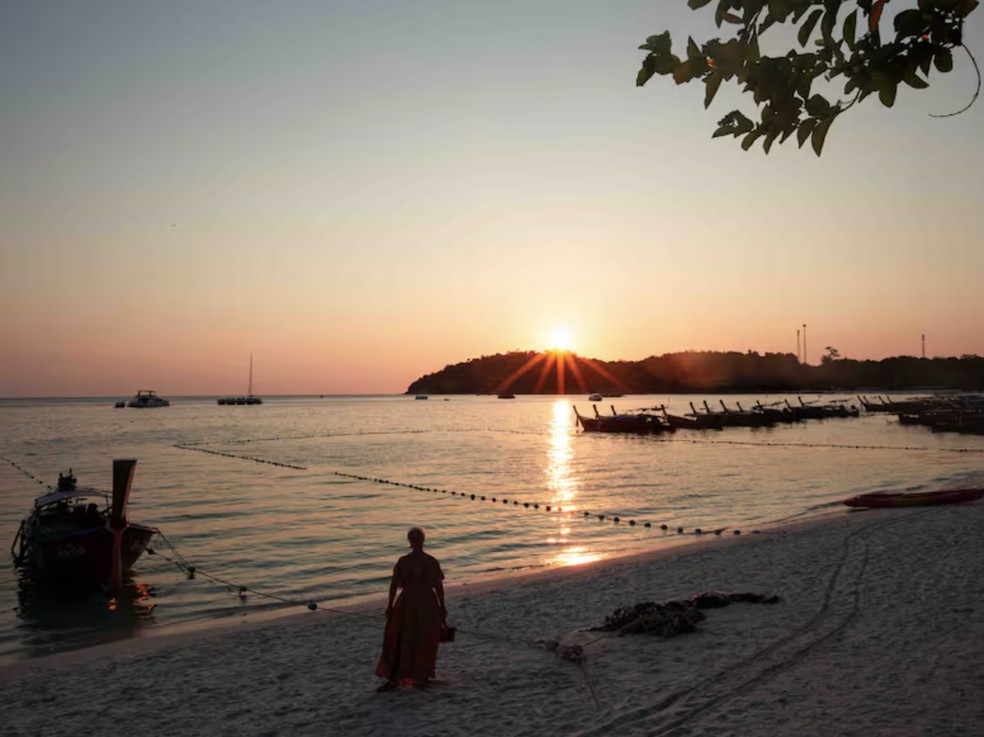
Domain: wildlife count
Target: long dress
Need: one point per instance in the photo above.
(413, 630)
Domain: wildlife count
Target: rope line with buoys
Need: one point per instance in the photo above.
(182, 446)
(571, 653)
(515, 503)
(615, 519)
(26, 473)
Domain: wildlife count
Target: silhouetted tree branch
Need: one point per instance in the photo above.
(926, 32)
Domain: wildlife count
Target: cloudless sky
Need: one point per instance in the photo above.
(360, 192)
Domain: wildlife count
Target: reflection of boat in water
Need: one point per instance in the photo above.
(148, 398)
(60, 617)
(915, 499)
(68, 537)
(249, 398)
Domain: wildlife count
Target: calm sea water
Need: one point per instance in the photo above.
(329, 528)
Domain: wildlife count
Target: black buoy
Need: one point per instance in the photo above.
(699, 531)
(737, 532)
(679, 529)
(648, 524)
(663, 527)
(632, 522)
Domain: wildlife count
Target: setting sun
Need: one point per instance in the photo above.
(560, 339)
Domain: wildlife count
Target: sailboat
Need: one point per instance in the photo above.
(249, 398)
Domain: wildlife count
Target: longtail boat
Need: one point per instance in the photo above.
(68, 537)
(637, 423)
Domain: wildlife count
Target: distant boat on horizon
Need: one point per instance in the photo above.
(147, 398)
(249, 398)
(506, 395)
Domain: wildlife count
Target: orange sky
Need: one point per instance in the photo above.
(361, 194)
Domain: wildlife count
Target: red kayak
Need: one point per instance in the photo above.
(915, 499)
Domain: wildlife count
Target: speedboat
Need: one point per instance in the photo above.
(596, 397)
(148, 398)
(69, 537)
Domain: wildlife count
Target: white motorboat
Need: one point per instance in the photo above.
(148, 398)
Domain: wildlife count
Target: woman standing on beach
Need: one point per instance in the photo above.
(413, 621)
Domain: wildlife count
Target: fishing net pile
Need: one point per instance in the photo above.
(673, 617)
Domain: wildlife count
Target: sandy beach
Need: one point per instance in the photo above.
(879, 631)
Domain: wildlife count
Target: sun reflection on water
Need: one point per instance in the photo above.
(563, 488)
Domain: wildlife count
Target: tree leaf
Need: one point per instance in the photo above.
(912, 78)
(748, 140)
(808, 25)
(646, 72)
(910, 22)
(943, 60)
(851, 29)
(819, 134)
(887, 90)
(711, 85)
(805, 129)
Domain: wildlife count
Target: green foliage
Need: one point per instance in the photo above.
(781, 86)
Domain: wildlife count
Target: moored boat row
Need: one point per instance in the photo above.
(653, 420)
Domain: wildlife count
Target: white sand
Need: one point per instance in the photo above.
(880, 632)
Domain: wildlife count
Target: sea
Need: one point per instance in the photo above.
(307, 500)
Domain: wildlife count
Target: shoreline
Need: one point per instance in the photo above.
(152, 640)
(878, 631)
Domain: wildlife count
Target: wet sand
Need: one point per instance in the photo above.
(879, 631)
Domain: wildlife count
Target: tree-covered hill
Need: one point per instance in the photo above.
(531, 372)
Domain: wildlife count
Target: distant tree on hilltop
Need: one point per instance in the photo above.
(532, 372)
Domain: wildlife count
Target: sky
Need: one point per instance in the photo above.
(359, 192)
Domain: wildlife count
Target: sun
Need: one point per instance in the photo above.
(560, 339)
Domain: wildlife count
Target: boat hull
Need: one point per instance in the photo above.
(917, 499)
(85, 555)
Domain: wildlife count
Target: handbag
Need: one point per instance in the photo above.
(447, 632)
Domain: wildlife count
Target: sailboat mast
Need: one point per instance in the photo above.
(249, 392)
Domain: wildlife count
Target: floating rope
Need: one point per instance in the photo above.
(602, 517)
(184, 446)
(27, 473)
